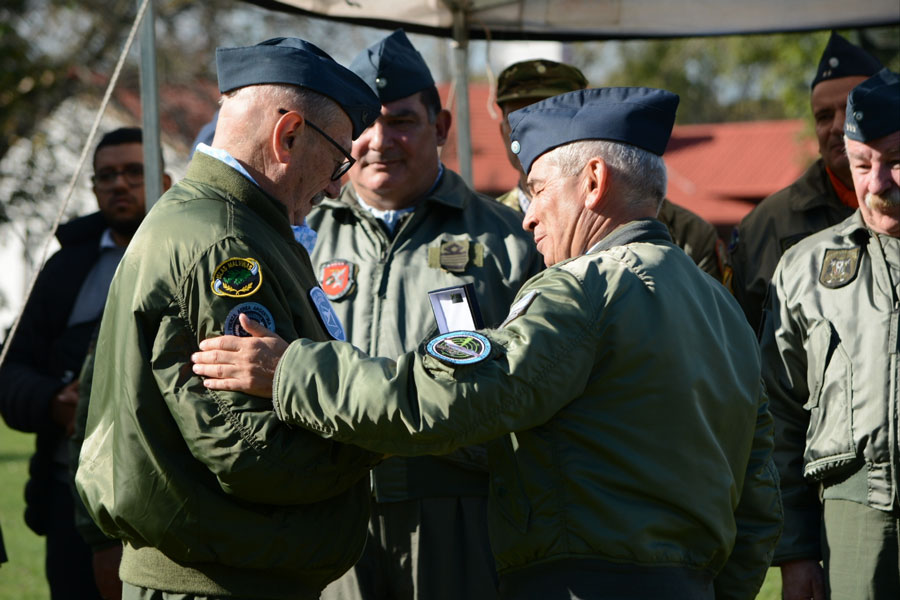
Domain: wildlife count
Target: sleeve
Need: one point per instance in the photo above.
(420, 405)
(237, 437)
(747, 286)
(26, 386)
(784, 368)
(758, 517)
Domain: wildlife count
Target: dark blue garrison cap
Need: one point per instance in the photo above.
(296, 62)
(873, 107)
(393, 68)
(638, 116)
(843, 59)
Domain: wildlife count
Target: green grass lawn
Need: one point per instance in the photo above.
(22, 578)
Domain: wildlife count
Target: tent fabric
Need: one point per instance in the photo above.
(599, 19)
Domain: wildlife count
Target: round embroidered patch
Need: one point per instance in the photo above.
(337, 278)
(255, 311)
(459, 347)
(237, 278)
(329, 318)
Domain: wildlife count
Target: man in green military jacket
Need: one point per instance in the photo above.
(403, 226)
(830, 361)
(627, 461)
(821, 197)
(211, 494)
(524, 83)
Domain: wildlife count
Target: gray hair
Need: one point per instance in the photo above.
(641, 175)
(315, 106)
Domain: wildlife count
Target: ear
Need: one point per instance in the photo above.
(166, 181)
(284, 135)
(597, 183)
(442, 123)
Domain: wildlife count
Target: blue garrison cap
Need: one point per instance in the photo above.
(294, 61)
(638, 116)
(843, 59)
(393, 68)
(873, 107)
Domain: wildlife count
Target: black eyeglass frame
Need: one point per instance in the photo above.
(133, 173)
(342, 168)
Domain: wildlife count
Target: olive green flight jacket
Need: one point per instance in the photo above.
(380, 282)
(613, 433)
(212, 494)
(830, 362)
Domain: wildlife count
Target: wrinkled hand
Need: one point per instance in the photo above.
(106, 572)
(241, 364)
(62, 407)
(802, 580)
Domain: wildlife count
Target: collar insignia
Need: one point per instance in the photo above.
(459, 347)
(337, 278)
(237, 278)
(839, 267)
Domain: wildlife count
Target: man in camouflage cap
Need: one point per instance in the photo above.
(524, 83)
(830, 364)
(821, 197)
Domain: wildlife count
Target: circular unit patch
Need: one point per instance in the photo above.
(459, 347)
(255, 311)
(237, 278)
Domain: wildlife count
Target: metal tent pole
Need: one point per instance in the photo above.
(150, 108)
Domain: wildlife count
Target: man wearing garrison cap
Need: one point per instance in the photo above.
(830, 362)
(402, 226)
(524, 83)
(821, 197)
(626, 460)
(211, 494)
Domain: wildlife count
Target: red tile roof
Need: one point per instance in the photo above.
(718, 170)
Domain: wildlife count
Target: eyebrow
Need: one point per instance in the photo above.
(403, 112)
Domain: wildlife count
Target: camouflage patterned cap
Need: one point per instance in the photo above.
(538, 79)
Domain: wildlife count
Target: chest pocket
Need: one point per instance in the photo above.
(829, 437)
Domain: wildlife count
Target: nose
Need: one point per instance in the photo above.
(529, 222)
(377, 136)
(837, 125)
(333, 189)
(881, 179)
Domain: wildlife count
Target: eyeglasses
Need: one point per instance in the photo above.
(132, 172)
(343, 167)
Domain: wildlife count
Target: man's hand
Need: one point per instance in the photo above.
(106, 572)
(241, 364)
(802, 580)
(62, 407)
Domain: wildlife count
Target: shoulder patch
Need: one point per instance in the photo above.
(519, 308)
(459, 347)
(255, 311)
(337, 278)
(237, 278)
(839, 267)
(327, 316)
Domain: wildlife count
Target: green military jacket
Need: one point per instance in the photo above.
(379, 287)
(808, 205)
(830, 362)
(212, 494)
(615, 435)
(688, 230)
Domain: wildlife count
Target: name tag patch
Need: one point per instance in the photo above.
(329, 318)
(237, 278)
(255, 311)
(459, 347)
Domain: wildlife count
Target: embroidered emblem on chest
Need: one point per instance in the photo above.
(839, 267)
(337, 278)
(237, 278)
(327, 316)
(459, 347)
(255, 311)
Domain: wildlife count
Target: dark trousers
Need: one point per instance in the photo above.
(68, 560)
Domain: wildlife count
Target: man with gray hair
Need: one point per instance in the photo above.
(626, 460)
(210, 493)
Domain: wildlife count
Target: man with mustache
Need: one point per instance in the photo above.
(405, 225)
(39, 382)
(830, 361)
(821, 197)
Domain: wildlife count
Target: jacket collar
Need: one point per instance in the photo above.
(640, 230)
